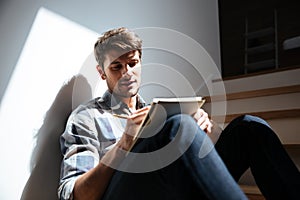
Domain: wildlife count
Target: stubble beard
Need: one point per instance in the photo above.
(125, 93)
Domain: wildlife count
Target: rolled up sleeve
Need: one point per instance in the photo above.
(80, 148)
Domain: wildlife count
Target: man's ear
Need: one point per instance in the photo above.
(101, 72)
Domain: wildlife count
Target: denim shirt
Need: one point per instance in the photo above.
(90, 132)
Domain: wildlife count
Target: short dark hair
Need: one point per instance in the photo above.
(119, 39)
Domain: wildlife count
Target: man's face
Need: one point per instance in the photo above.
(122, 73)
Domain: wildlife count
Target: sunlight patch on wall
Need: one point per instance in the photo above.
(55, 50)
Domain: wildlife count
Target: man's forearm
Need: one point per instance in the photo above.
(93, 183)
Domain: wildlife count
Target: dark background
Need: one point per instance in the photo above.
(260, 13)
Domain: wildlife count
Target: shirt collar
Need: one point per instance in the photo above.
(117, 106)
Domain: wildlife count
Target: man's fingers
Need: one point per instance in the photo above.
(198, 114)
(142, 110)
(138, 116)
(201, 117)
(209, 127)
(203, 124)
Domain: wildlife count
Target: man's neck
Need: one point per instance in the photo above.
(130, 102)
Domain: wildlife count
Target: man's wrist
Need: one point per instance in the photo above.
(114, 156)
(125, 142)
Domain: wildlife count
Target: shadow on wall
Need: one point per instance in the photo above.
(46, 157)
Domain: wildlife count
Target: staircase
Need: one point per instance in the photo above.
(275, 97)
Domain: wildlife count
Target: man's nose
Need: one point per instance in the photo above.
(127, 70)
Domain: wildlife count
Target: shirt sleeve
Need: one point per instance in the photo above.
(79, 145)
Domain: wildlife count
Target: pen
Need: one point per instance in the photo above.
(121, 116)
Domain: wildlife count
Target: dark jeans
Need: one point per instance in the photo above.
(199, 172)
(249, 142)
(190, 176)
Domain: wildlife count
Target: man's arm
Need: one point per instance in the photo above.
(92, 184)
(85, 185)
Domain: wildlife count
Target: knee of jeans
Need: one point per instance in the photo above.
(182, 121)
(260, 130)
(252, 119)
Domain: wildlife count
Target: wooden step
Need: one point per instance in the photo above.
(260, 65)
(261, 49)
(260, 33)
(266, 115)
(255, 93)
(252, 192)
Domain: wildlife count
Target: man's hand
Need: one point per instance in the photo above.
(132, 127)
(203, 120)
(205, 123)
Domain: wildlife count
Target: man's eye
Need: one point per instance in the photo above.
(116, 68)
(133, 63)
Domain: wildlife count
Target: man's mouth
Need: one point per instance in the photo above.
(126, 83)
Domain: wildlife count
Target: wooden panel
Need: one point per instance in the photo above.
(252, 192)
(250, 189)
(256, 93)
(255, 197)
(267, 115)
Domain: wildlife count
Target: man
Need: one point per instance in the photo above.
(95, 143)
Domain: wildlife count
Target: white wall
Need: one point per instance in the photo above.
(197, 19)
(31, 151)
